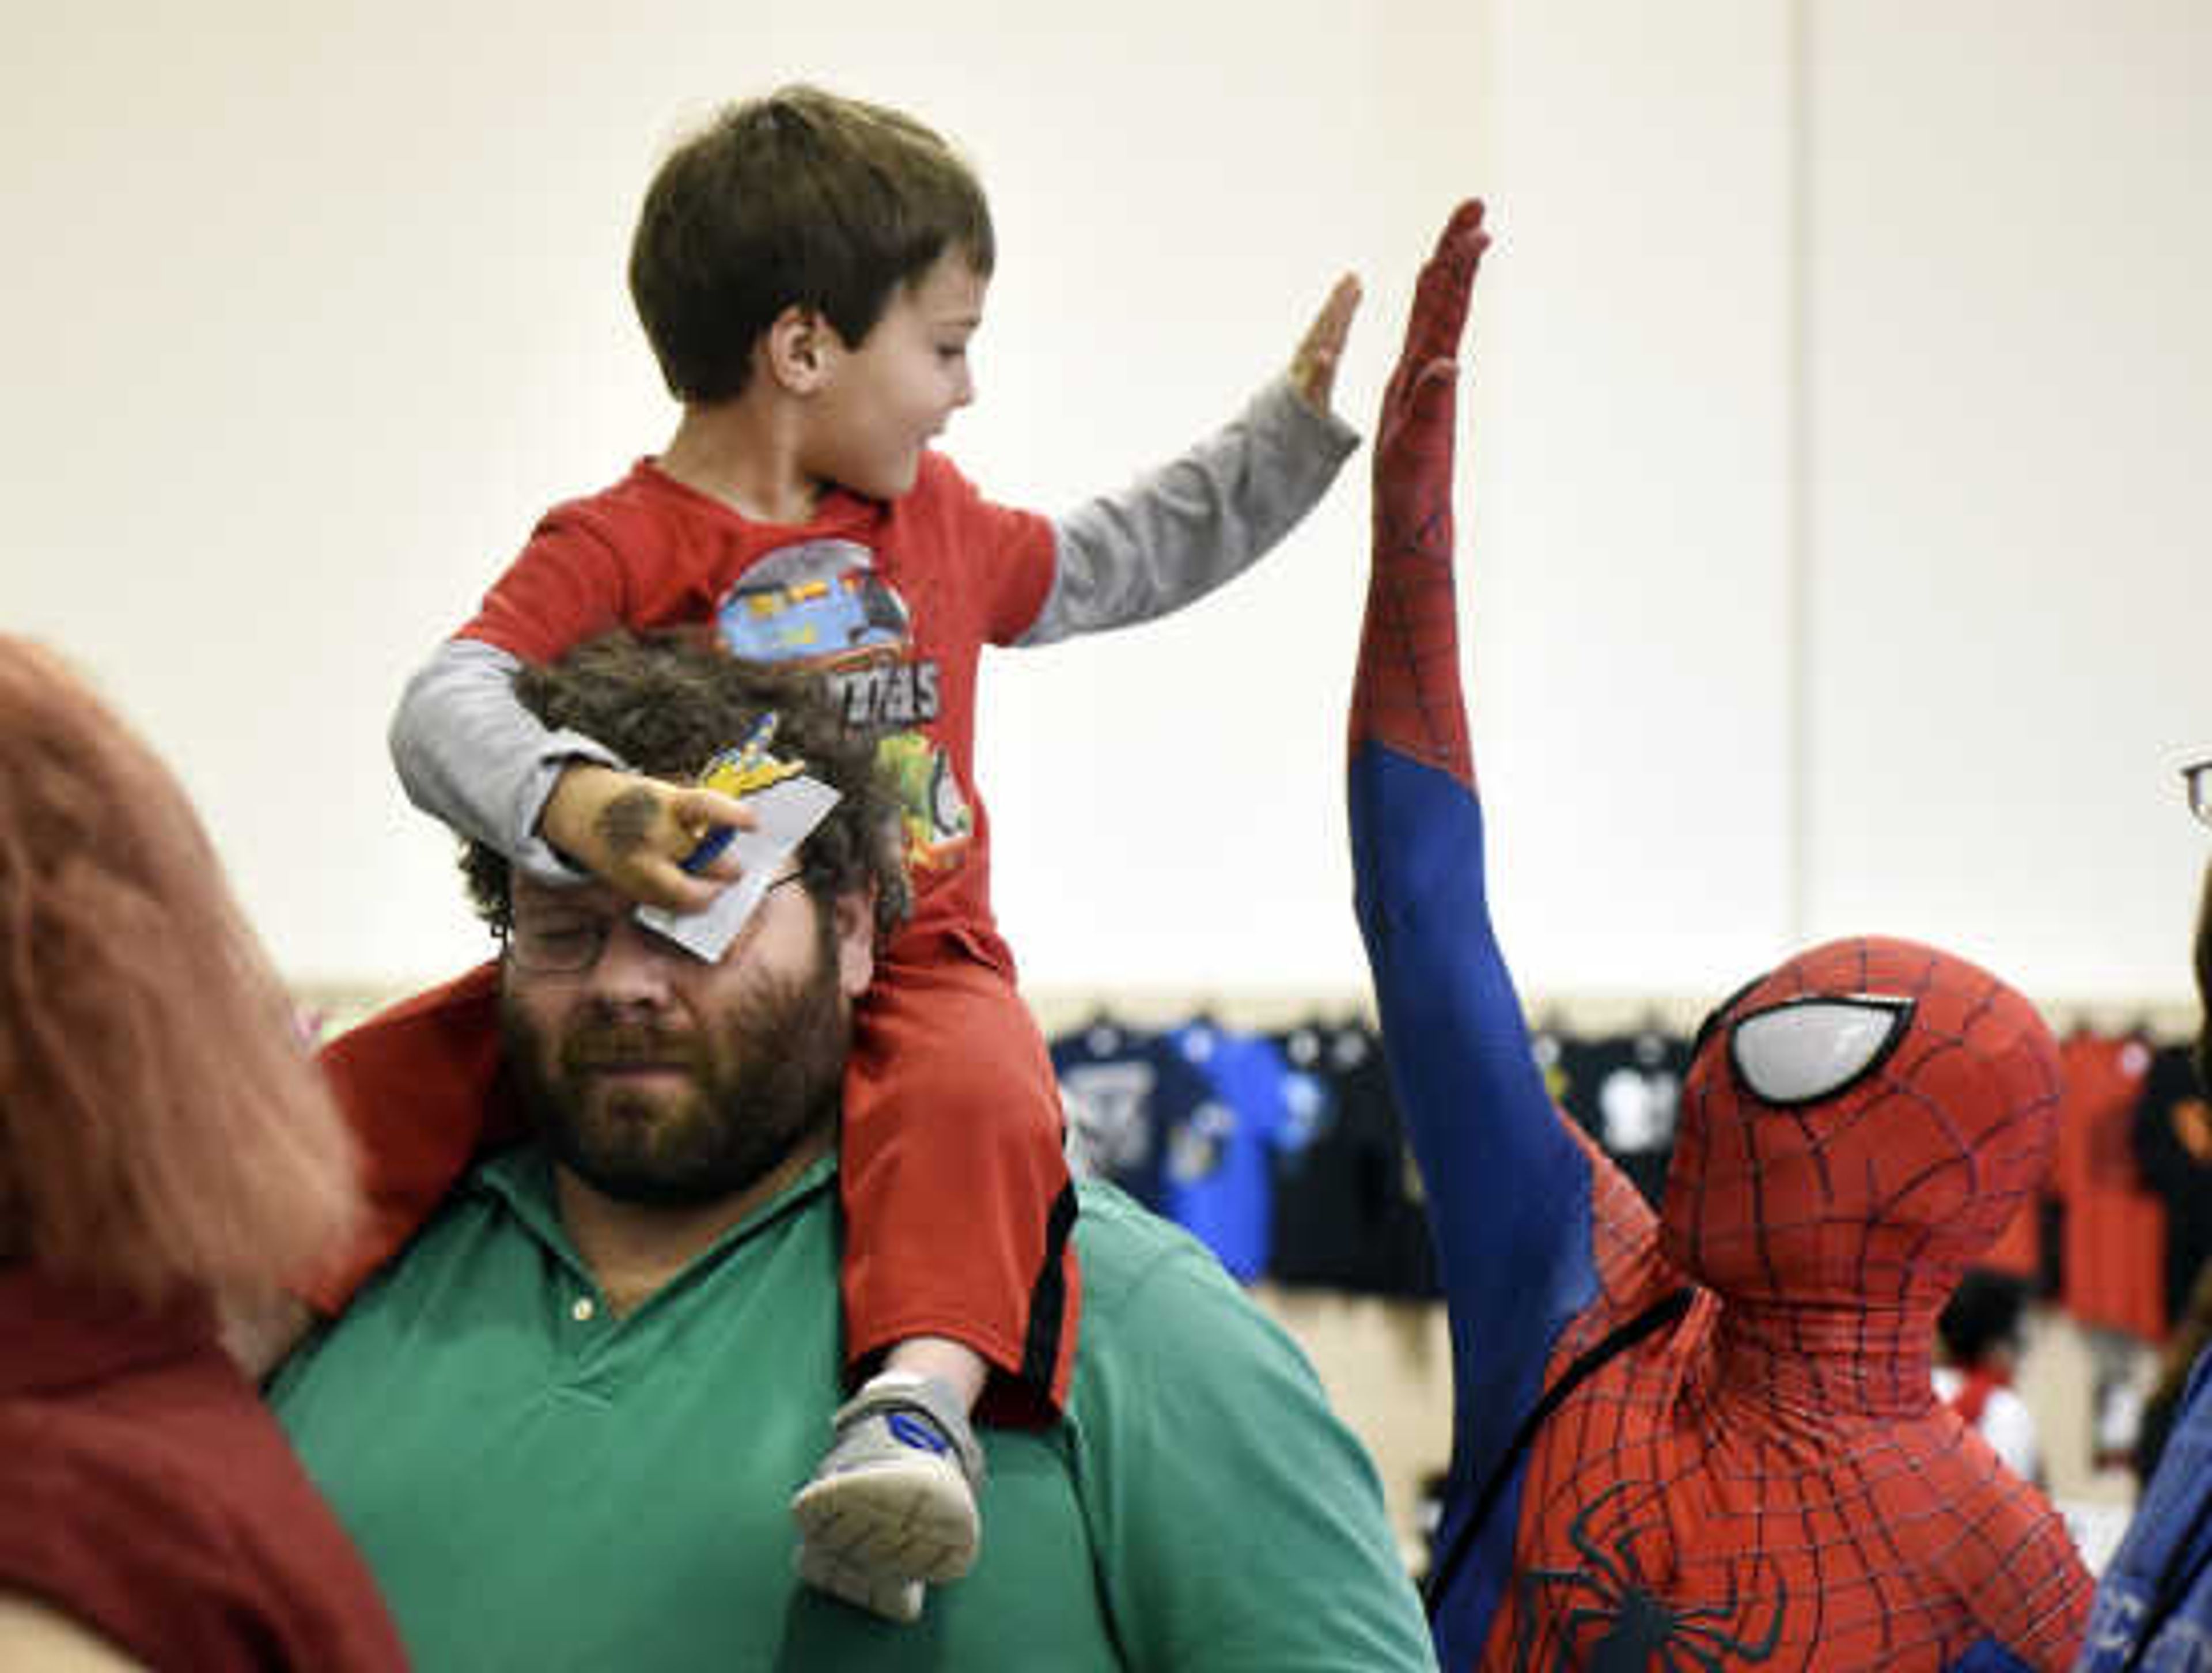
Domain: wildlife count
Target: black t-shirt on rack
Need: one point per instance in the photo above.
(2173, 1143)
(1626, 1090)
(1349, 1213)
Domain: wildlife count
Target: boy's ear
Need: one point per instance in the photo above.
(798, 348)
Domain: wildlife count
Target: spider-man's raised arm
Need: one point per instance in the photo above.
(1509, 1189)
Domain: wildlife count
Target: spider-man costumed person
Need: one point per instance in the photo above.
(1705, 1439)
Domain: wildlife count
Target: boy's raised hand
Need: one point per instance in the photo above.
(634, 834)
(1313, 368)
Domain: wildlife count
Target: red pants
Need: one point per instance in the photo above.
(959, 1206)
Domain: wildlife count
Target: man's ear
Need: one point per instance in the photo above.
(800, 348)
(855, 926)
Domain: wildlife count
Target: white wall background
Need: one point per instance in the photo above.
(1842, 390)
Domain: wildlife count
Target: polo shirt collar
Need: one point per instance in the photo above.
(522, 1179)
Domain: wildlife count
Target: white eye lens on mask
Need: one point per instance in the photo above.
(1803, 1050)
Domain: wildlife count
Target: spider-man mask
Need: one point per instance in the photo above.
(1857, 1126)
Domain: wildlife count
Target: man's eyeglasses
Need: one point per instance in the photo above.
(568, 940)
(2197, 780)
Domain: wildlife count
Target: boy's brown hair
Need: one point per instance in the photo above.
(804, 198)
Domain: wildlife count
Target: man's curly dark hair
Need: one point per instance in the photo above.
(666, 704)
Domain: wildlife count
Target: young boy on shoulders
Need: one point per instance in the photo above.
(809, 270)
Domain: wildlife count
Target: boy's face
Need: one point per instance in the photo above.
(884, 399)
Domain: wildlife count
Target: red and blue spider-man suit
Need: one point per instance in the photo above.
(1752, 1469)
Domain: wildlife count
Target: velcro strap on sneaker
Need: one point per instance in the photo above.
(889, 1391)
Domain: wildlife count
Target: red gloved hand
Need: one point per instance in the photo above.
(1408, 694)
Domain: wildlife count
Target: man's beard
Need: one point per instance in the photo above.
(761, 1077)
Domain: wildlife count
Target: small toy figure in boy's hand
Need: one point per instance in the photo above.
(664, 845)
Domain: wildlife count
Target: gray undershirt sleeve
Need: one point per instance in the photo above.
(472, 755)
(1179, 532)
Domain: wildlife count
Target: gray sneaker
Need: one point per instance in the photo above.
(892, 1504)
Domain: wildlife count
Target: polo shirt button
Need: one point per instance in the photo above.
(582, 1310)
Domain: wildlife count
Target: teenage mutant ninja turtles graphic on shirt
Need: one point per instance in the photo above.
(824, 604)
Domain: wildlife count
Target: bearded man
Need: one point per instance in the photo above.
(563, 1423)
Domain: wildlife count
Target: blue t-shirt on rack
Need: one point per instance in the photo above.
(1219, 1163)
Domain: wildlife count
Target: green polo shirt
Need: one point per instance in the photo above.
(539, 1484)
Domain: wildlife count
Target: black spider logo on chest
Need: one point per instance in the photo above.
(1604, 1616)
